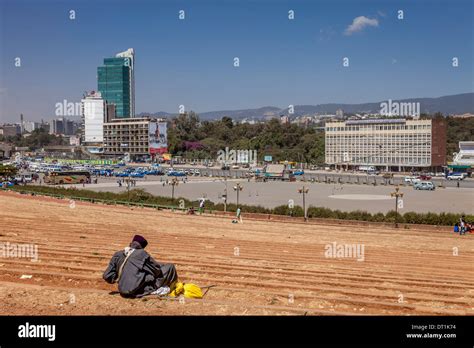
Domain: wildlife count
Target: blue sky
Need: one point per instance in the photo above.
(190, 61)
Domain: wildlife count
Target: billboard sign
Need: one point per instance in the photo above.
(158, 138)
(267, 158)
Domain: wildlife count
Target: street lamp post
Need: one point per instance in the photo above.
(225, 193)
(174, 182)
(397, 194)
(128, 188)
(304, 191)
(238, 187)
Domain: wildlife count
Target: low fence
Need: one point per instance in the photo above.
(99, 200)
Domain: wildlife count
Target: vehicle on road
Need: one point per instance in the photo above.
(153, 172)
(424, 177)
(298, 172)
(122, 174)
(424, 185)
(176, 173)
(366, 168)
(225, 167)
(137, 175)
(408, 179)
(67, 177)
(455, 176)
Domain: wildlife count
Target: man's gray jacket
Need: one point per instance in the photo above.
(141, 274)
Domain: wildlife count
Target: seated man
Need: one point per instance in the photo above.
(137, 273)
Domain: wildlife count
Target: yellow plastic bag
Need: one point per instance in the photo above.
(187, 289)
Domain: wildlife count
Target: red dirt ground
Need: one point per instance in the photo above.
(280, 268)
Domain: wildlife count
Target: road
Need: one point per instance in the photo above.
(331, 177)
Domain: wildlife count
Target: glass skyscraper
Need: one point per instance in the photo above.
(116, 83)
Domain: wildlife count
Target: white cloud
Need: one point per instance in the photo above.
(359, 23)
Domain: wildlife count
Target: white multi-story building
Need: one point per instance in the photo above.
(386, 143)
(463, 160)
(465, 156)
(93, 109)
(30, 126)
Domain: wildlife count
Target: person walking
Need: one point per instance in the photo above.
(201, 206)
(462, 225)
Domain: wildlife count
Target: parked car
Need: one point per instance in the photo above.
(424, 185)
(122, 174)
(424, 177)
(225, 167)
(455, 176)
(408, 179)
(176, 173)
(298, 172)
(137, 175)
(153, 172)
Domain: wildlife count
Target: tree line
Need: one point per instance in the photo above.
(194, 139)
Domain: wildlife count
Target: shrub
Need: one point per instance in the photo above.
(320, 212)
(285, 210)
(392, 215)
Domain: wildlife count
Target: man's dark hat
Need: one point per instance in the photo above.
(143, 242)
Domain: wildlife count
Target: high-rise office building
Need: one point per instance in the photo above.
(116, 83)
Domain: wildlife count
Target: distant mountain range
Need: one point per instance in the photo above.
(447, 105)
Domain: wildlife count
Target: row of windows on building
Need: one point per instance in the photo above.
(380, 136)
(123, 127)
(378, 127)
(120, 150)
(384, 160)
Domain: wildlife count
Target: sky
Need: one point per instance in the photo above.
(190, 62)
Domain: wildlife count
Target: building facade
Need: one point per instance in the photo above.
(116, 83)
(129, 135)
(463, 160)
(62, 126)
(30, 126)
(393, 144)
(93, 110)
(10, 130)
